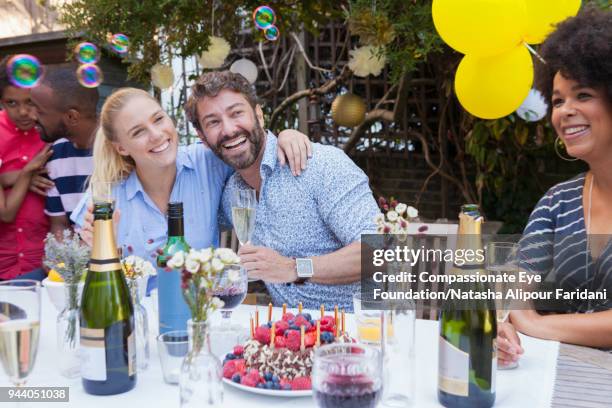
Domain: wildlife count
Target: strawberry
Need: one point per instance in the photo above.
(238, 350)
(301, 383)
(310, 339)
(288, 316)
(229, 369)
(280, 342)
(248, 381)
(281, 326)
(293, 340)
(284, 381)
(262, 334)
(253, 373)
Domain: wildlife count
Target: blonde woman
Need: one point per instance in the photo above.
(136, 148)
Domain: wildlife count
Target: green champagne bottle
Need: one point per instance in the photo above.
(108, 350)
(467, 359)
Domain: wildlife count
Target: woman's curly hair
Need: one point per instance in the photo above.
(580, 49)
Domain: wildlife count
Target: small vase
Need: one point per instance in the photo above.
(68, 333)
(141, 326)
(201, 372)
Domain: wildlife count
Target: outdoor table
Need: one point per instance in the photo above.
(530, 385)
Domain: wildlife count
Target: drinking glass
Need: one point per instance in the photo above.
(244, 203)
(172, 347)
(502, 259)
(347, 375)
(398, 349)
(367, 317)
(19, 327)
(231, 289)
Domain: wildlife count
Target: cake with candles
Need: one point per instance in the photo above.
(279, 354)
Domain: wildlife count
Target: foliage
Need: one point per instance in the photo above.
(161, 29)
(68, 256)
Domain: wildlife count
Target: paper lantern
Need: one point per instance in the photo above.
(348, 110)
(246, 68)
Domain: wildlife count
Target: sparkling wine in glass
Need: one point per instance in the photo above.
(347, 375)
(231, 289)
(19, 327)
(502, 260)
(244, 203)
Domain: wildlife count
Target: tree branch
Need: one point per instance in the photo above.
(322, 90)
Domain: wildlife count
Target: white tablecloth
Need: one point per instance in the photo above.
(530, 385)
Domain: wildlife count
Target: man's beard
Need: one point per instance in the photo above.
(256, 138)
(49, 137)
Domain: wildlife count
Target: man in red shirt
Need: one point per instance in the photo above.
(21, 241)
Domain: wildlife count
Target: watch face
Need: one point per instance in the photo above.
(304, 267)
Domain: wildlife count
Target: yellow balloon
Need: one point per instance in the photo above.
(480, 27)
(493, 87)
(543, 15)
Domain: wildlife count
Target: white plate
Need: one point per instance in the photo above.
(272, 393)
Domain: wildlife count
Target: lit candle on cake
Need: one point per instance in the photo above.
(322, 311)
(256, 318)
(318, 340)
(270, 311)
(302, 346)
(272, 335)
(252, 330)
(300, 307)
(284, 308)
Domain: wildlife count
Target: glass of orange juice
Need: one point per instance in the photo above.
(368, 320)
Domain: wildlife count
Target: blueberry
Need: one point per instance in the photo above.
(268, 385)
(236, 378)
(294, 327)
(307, 316)
(276, 386)
(260, 385)
(275, 379)
(267, 376)
(269, 324)
(291, 322)
(287, 387)
(230, 356)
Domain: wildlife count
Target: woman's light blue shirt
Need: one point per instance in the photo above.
(143, 228)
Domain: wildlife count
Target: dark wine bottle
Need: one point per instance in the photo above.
(467, 356)
(108, 350)
(173, 310)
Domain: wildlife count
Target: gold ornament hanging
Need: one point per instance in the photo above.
(348, 110)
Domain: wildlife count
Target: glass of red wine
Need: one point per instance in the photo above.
(347, 375)
(231, 289)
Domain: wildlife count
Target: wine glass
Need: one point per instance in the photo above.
(244, 203)
(231, 288)
(502, 259)
(19, 327)
(101, 192)
(347, 375)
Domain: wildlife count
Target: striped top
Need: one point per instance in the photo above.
(69, 169)
(554, 244)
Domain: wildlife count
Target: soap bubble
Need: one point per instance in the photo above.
(24, 71)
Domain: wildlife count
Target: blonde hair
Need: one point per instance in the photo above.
(109, 165)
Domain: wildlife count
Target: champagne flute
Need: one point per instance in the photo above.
(19, 327)
(244, 203)
(502, 259)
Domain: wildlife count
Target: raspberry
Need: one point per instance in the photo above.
(280, 342)
(253, 373)
(229, 369)
(262, 334)
(248, 381)
(293, 340)
(301, 383)
(240, 366)
(284, 382)
(328, 324)
(288, 316)
(281, 326)
(238, 350)
(300, 321)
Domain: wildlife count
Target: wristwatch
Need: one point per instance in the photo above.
(303, 267)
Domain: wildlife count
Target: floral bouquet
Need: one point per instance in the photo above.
(134, 267)
(395, 218)
(69, 257)
(200, 273)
